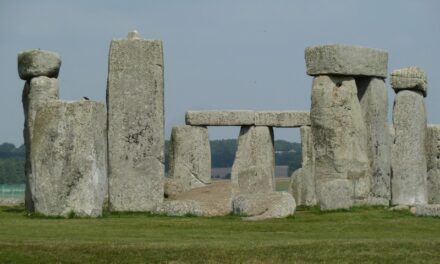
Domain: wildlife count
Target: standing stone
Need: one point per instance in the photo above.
(409, 151)
(190, 157)
(373, 97)
(68, 157)
(302, 185)
(136, 124)
(253, 171)
(342, 168)
(36, 92)
(433, 160)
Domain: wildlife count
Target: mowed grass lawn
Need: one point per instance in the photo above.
(362, 235)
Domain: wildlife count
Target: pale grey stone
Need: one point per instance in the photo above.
(136, 124)
(411, 78)
(433, 161)
(68, 158)
(427, 210)
(346, 60)
(36, 62)
(409, 164)
(253, 171)
(373, 96)
(282, 118)
(36, 92)
(220, 118)
(340, 143)
(190, 157)
(302, 184)
(211, 200)
(400, 207)
(133, 35)
(264, 206)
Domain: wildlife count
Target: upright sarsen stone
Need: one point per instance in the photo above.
(253, 171)
(433, 159)
(135, 124)
(190, 157)
(36, 92)
(342, 168)
(69, 158)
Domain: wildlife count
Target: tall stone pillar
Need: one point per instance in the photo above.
(39, 68)
(302, 185)
(343, 170)
(253, 171)
(69, 158)
(135, 124)
(433, 159)
(409, 181)
(190, 158)
(373, 96)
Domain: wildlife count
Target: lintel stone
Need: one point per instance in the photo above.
(337, 59)
(410, 78)
(282, 118)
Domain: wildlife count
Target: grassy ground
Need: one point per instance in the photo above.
(362, 235)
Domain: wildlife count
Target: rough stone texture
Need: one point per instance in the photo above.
(136, 124)
(411, 78)
(190, 157)
(426, 210)
(11, 202)
(302, 185)
(35, 63)
(212, 200)
(253, 171)
(220, 118)
(342, 167)
(282, 118)
(36, 92)
(68, 157)
(409, 150)
(433, 161)
(266, 206)
(373, 97)
(346, 60)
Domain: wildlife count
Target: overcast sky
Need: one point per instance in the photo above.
(218, 54)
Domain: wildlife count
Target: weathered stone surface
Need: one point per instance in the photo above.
(426, 210)
(68, 157)
(36, 92)
(433, 161)
(342, 167)
(409, 150)
(253, 171)
(190, 157)
(302, 185)
(264, 206)
(35, 63)
(136, 124)
(212, 200)
(220, 118)
(373, 97)
(282, 118)
(346, 60)
(411, 78)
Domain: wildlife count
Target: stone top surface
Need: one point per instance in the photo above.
(248, 117)
(36, 63)
(410, 78)
(337, 59)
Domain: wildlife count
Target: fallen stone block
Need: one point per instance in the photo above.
(411, 78)
(68, 157)
(282, 118)
(36, 63)
(426, 210)
(220, 118)
(336, 59)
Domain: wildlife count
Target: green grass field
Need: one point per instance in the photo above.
(362, 235)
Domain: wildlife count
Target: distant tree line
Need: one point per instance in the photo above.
(222, 151)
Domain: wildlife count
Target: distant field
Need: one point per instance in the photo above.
(362, 235)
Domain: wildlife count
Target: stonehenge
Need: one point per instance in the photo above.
(82, 155)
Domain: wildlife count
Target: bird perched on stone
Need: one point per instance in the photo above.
(86, 98)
